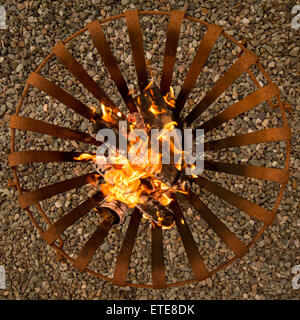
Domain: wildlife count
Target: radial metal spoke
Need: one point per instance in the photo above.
(28, 198)
(173, 33)
(70, 218)
(238, 68)
(252, 209)
(91, 246)
(59, 94)
(30, 156)
(232, 242)
(254, 99)
(100, 42)
(136, 41)
(205, 46)
(256, 137)
(158, 268)
(80, 74)
(122, 264)
(28, 124)
(263, 173)
(195, 259)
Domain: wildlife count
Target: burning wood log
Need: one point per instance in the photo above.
(162, 215)
(115, 211)
(157, 115)
(107, 118)
(153, 108)
(154, 113)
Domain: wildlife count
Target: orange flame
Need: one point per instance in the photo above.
(94, 113)
(154, 110)
(132, 183)
(85, 156)
(149, 84)
(192, 169)
(106, 114)
(94, 180)
(165, 200)
(170, 126)
(172, 93)
(170, 98)
(93, 109)
(125, 183)
(169, 227)
(145, 216)
(159, 218)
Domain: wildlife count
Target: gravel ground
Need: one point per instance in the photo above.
(33, 27)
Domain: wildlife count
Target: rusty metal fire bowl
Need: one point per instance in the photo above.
(55, 226)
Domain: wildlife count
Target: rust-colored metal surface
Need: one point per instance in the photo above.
(246, 59)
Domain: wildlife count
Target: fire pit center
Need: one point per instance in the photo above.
(148, 183)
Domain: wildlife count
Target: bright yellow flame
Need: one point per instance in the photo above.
(124, 183)
(131, 92)
(165, 200)
(172, 93)
(94, 112)
(166, 129)
(181, 191)
(159, 218)
(178, 166)
(93, 109)
(170, 126)
(149, 84)
(130, 183)
(169, 227)
(182, 221)
(85, 156)
(160, 185)
(192, 169)
(106, 114)
(170, 98)
(154, 109)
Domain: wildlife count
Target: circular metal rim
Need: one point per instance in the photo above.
(58, 249)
